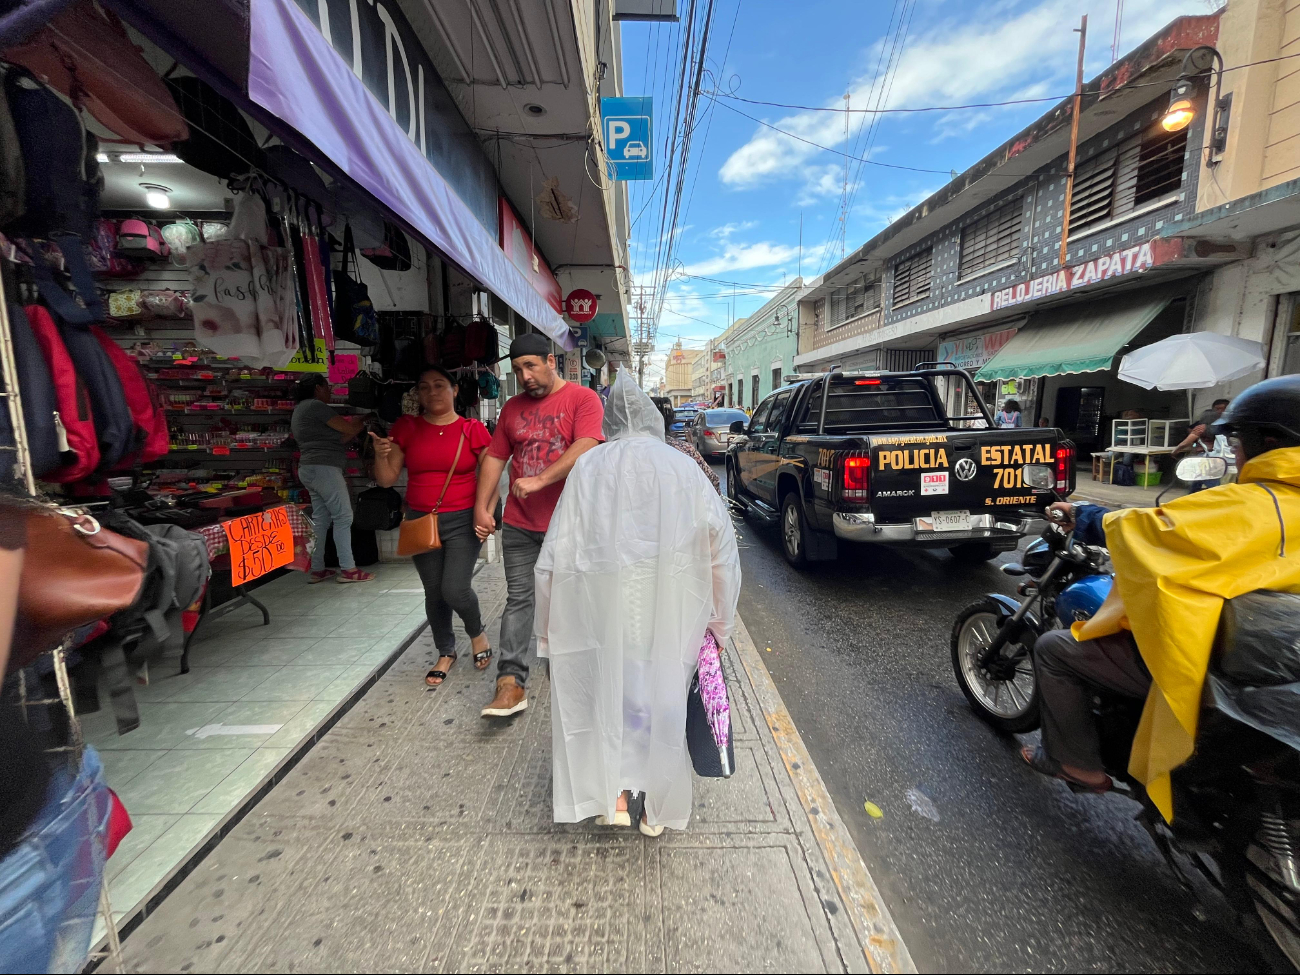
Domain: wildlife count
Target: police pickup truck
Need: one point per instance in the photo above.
(874, 457)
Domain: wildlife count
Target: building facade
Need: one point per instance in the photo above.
(678, 373)
(761, 349)
(974, 275)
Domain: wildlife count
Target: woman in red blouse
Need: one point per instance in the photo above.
(426, 446)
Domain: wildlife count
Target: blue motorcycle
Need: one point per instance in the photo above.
(1237, 799)
(993, 638)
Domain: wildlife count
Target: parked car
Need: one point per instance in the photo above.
(710, 431)
(874, 457)
(682, 417)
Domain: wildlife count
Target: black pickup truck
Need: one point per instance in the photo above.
(874, 457)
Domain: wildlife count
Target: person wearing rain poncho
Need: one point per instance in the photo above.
(640, 559)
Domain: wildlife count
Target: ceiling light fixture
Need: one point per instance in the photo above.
(157, 196)
(149, 157)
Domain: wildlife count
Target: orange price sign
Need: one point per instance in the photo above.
(259, 543)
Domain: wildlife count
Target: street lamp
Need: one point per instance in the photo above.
(1198, 62)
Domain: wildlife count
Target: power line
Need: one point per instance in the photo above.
(891, 111)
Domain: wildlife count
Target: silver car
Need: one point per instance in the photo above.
(710, 430)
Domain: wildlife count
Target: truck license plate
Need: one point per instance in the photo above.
(944, 521)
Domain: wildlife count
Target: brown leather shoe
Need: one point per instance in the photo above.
(510, 699)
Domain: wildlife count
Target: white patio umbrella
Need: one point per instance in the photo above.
(1195, 360)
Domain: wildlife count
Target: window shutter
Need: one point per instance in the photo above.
(992, 239)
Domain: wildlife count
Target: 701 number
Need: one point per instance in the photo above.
(1005, 478)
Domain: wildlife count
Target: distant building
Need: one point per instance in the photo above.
(677, 373)
(761, 349)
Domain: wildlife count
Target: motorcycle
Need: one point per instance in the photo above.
(1238, 797)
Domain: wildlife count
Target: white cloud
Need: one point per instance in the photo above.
(1004, 48)
(822, 182)
(727, 229)
(743, 257)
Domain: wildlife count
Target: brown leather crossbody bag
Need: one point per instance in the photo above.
(421, 534)
(74, 572)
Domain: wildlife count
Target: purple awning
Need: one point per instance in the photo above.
(296, 74)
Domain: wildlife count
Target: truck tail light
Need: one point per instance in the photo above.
(857, 479)
(1064, 461)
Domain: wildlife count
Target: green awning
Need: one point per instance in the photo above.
(1079, 338)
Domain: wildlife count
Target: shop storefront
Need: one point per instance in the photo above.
(971, 352)
(1062, 366)
(218, 248)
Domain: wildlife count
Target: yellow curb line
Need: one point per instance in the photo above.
(881, 943)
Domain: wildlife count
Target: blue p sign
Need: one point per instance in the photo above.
(627, 132)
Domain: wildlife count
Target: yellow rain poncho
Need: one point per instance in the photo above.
(1174, 567)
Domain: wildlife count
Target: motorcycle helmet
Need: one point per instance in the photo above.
(1264, 417)
(1080, 600)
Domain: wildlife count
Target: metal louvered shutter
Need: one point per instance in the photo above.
(992, 239)
(912, 278)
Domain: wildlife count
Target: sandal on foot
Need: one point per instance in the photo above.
(1036, 758)
(481, 659)
(441, 675)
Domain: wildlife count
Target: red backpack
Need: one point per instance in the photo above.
(481, 342)
(141, 399)
(74, 413)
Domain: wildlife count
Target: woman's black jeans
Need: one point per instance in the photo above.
(448, 576)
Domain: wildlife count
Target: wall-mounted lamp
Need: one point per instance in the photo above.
(157, 196)
(1200, 61)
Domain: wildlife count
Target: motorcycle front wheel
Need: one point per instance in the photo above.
(1009, 705)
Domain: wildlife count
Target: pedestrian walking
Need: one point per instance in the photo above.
(542, 431)
(685, 446)
(641, 560)
(442, 453)
(322, 437)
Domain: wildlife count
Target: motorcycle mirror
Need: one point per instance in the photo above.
(1038, 477)
(737, 426)
(1201, 469)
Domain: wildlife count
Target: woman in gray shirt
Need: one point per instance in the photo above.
(322, 436)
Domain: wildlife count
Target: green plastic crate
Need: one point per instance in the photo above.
(1147, 479)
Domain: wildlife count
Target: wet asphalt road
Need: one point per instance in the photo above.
(985, 866)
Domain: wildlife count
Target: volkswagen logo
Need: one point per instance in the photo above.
(965, 469)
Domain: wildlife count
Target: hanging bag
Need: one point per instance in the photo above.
(74, 417)
(421, 534)
(354, 313)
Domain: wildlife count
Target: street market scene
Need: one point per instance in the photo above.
(817, 486)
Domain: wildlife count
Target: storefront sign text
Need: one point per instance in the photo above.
(259, 543)
(973, 351)
(1102, 268)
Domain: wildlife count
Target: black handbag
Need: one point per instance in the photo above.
(378, 509)
(705, 757)
(362, 391)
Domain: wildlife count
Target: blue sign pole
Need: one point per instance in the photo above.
(626, 129)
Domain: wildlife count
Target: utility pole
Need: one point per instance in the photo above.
(801, 245)
(844, 199)
(1074, 142)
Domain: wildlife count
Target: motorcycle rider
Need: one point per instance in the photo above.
(1174, 566)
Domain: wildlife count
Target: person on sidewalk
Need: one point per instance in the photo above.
(640, 560)
(322, 436)
(685, 446)
(542, 431)
(428, 446)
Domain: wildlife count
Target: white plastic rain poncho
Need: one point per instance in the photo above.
(639, 559)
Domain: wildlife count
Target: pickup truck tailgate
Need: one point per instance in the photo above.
(967, 470)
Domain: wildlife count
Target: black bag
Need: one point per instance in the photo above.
(355, 319)
(699, 738)
(365, 548)
(378, 509)
(362, 392)
(39, 402)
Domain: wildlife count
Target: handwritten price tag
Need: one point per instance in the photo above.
(258, 543)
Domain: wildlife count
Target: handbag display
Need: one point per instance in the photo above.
(75, 572)
(421, 534)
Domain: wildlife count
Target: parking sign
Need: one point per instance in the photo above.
(625, 123)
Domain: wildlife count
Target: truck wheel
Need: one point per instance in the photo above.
(972, 553)
(794, 533)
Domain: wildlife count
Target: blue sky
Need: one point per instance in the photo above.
(748, 185)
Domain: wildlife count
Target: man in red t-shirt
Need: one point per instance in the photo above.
(542, 431)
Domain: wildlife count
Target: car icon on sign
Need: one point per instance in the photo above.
(635, 150)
